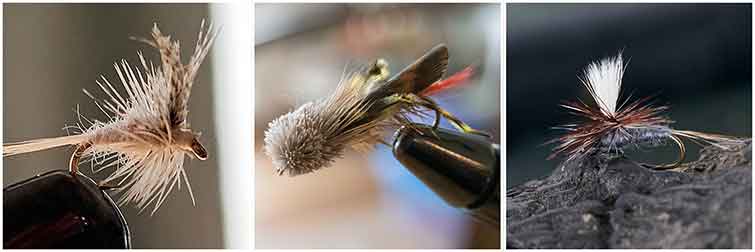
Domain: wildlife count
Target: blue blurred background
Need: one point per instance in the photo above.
(694, 57)
(367, 200)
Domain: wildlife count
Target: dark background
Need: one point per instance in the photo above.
(694, 57)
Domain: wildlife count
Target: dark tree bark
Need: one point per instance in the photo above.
(620, 204)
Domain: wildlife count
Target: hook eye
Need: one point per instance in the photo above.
(198, 150)
(379, 70)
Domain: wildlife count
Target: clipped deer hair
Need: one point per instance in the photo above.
(355, 115)
(612, 128)
(147, 134)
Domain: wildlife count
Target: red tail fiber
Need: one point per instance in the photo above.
(450, 82)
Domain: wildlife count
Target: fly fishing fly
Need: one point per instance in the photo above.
(611, 128)
(147, 134)
(363, 105)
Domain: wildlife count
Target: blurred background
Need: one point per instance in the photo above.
(694, 57)
(366, 200)
(53, 51)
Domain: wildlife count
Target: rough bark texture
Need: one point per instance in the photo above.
(620, 204)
